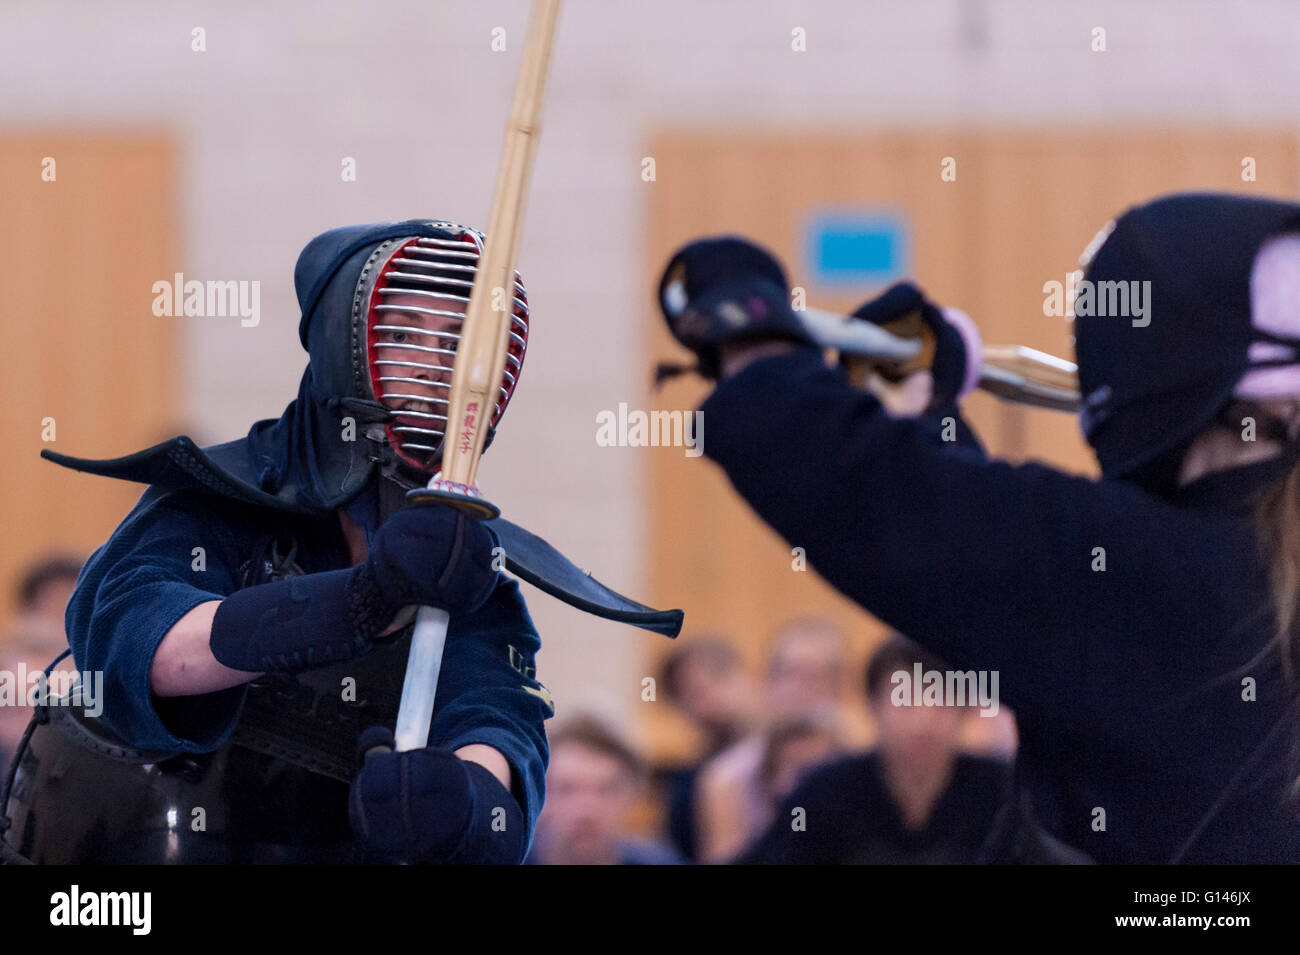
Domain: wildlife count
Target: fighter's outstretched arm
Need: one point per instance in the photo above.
(992, 565)
(184, 664)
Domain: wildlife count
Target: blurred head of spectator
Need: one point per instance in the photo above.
(915, 799)
(46, 586)
(34, 637)
(915, 739)
(593, 780)
(795, 745)
(805, 670)
(803, 685)
(706, 680)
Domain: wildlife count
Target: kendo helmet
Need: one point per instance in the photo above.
(1211, 332)
(382, 309)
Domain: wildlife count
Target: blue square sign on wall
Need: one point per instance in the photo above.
(869, 247)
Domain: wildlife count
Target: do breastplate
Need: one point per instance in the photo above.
(314, 719)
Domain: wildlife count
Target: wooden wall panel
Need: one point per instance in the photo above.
(78, 258)
(1024, 205)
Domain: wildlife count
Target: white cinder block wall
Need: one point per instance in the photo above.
(412, 90)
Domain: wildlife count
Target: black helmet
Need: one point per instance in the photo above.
(1155, 376)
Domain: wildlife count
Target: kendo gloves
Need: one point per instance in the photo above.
(720, 295)
(428, 805)
(951, 349)
(726, 291)
(430, 554)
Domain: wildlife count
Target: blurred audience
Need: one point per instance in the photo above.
(915, 799)
(805, 682)
(33, 638)
(592, 783)
(706, 680)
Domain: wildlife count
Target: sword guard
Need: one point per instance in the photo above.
(464, 497)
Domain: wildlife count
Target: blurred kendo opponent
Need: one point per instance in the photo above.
(1155, 689)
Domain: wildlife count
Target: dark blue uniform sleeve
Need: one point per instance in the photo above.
(165, 559)
(992, 566)
(488, 692)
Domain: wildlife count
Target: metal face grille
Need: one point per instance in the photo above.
(413, 330)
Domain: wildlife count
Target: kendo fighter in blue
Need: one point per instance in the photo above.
(251, 615)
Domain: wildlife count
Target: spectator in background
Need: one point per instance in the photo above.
(45, 588)
(593, 780)
(706, 680)
(805, 679)
(913, 800)
(795, 746)
(34, 637)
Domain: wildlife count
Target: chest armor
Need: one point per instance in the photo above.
(314, 719)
